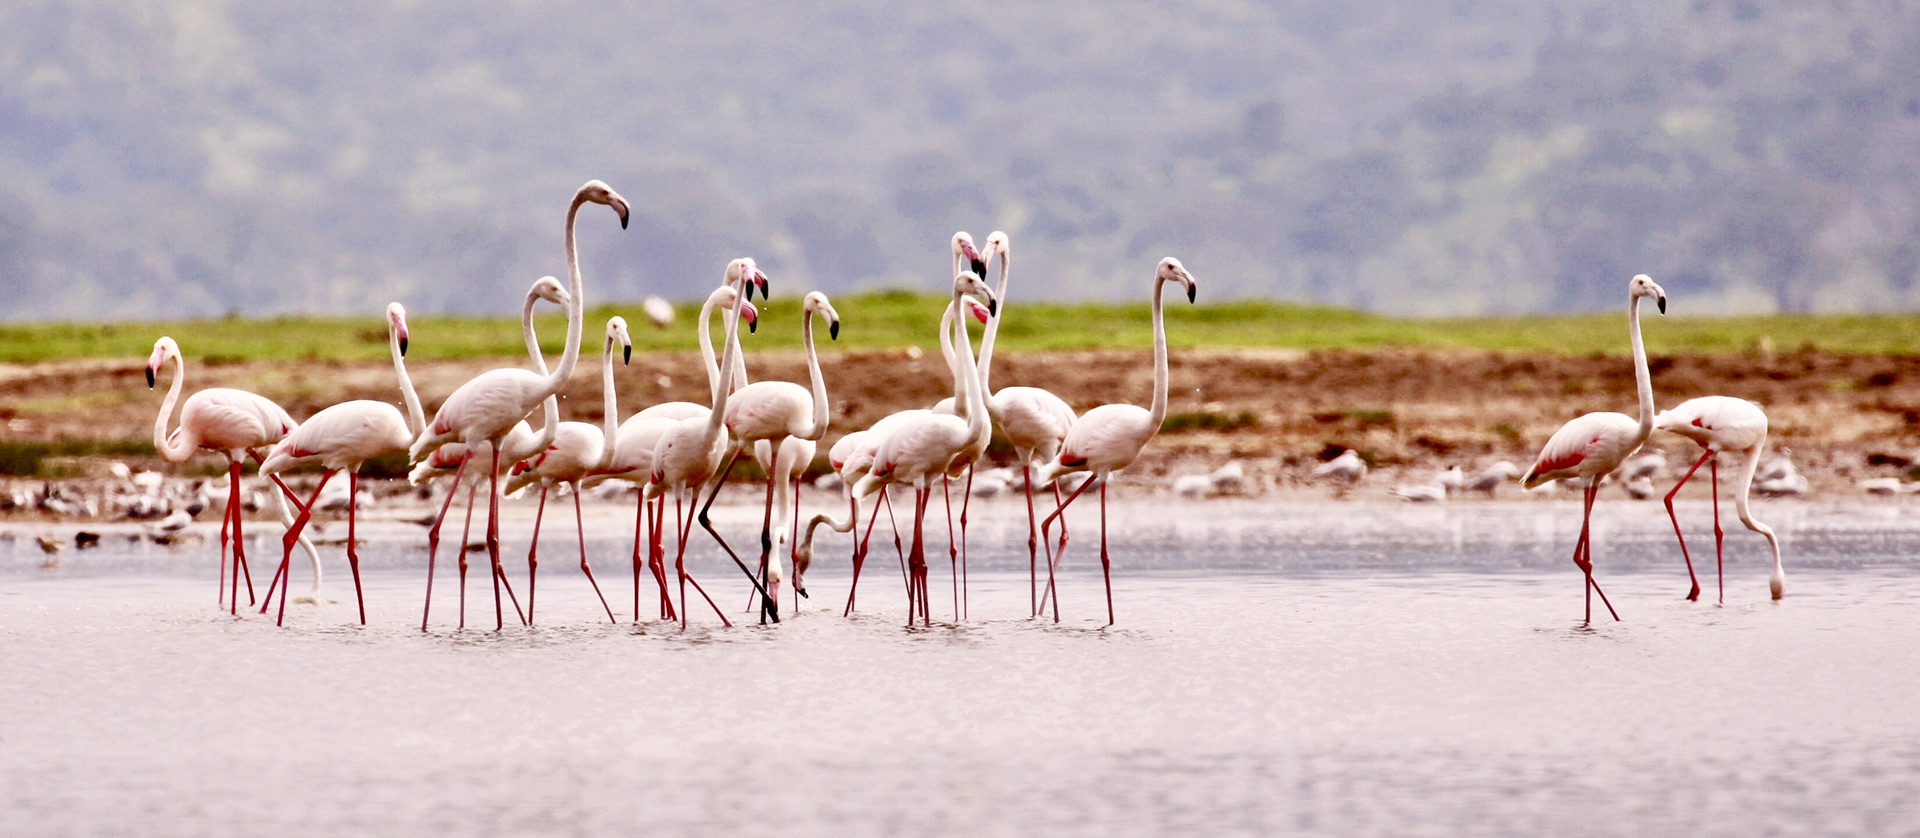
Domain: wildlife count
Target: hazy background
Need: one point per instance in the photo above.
(1473, 156)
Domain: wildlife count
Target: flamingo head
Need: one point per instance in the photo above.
(751, 315)
(549, 289)
(970, 284)
(802, 559)
(397, 324)
(1644, 286)
(164, 350)
(617, 333)
(966, 254)
(600, 193)
(743, 272)
(1172, 271)
(816, 303)
(997, 245)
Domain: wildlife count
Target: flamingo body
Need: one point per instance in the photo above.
(1590, 446)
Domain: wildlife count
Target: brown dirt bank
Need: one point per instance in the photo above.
(1845, 416)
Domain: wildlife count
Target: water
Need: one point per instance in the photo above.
(1278, 668)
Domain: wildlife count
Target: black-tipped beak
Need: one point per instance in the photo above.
(753, 327)
(403, 347)
(626, 354)
(762, 279)
(749, 284)
(1661, 303)
(620, 207)
(993, 307)
(980, 266)
(833, 332)
(149, 378)
(1191, 292)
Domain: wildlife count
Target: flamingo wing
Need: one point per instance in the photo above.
(1107, 437)
(230, 420)
(1588, 446)
(1032, 418)
(1723, 423)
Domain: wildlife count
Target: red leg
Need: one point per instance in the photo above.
(953, 547)
(1694, 592)
(680, 563)
(1053, 558)
(1719, 535)
(433, 536)
(353, 544)
(493, 538)
(239, 540)
(639, 527)
(966, 501)
(1106, 567)
(580, 527)
(533, 553)
(1583, 555)
(1033, 544)
(860, 553)
(287, 543)
(917, 557)
(226, 527)
(466, 535)
(706, 523)
(657, 556)
(767, 603)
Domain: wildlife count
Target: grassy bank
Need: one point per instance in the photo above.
(893, 319)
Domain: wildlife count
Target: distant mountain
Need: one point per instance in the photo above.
(1476, 156)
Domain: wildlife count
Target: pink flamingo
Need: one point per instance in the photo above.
(1110, 437)
(344, 437)
(773, 412)
(688, 455)
(1593, 445)
(578, 448)
(486, 408)
(232, 422)
(923, 446)
(632, 458)
(1722, 423)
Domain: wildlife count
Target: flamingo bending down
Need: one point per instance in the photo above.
(486, 408)
(578, 448)
(1722, 423)
(773, 412)
(1109, 437)
(232, 422)
(344, 437)
(632, 456)
(923, 446)
(1595, 444)
(689, 453)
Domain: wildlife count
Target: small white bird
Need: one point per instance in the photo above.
(1423, 493)
(1779, 468)
(1452, 479)
(1650, 464)
(1192, 486)
(1491, 478)
(171, 524)
(1228, 478)
(657, 310)
(1638, 488)
(1347, 468)
(992, 483)
(1883, 486)
(1794, 484)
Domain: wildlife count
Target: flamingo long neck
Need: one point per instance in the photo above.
(173, 451)
(706, 348)
(549, 409)
(806, 540)
(993, 327)
(1158, 412)
(610, 404)
(969, 376)
(818, 384)
(960, 407)
(577, 307)
(716, 416)
(1642, 379)
(416, 415)
(1778, 581)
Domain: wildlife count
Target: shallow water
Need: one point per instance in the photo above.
(1319, 667)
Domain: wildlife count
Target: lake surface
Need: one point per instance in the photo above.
(1278, 667)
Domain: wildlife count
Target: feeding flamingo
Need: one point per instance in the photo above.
(577, 449)
(1595, 444)
(344, 437)
(1722, 423)
(485, 408)
(1109, 437)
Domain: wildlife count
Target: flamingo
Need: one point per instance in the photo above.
(688, 454)
(577, 449)
(1109, 437)
(486, 408)
(924, 446)
(232, 422)
(632, 457)
(343, 438)
(1722, 423)
(1595, 444)
(773, 412)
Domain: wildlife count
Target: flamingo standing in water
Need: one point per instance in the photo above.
(486, 408)
(924, 445)
(1109, 437)
(343, 438)
(632, 457)
(577, 449)
(1722, 423)
(1595, 444)
(232, 422)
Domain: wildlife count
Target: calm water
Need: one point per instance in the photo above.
(1312, 667)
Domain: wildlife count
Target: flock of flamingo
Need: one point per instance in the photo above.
(686, 451)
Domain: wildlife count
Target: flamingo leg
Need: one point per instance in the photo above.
(1106, 566)
(1719, 535)
(287, 543)
(657, 556)
(793, 544)
(966, 501)
(860, 552)
(353, 544)
(639, 527)
(533, 550)
(1583, 555)
(1033, 544)
(899, 549)
(580, 528)
(1053, 558)
(917, 558)
(226, 524)
(953, 548)
(433, 537)
(466, 535)
(767, 604)
(239, 540)
(707, 524)
(680, 564)
(1694, 592)
(493, 538)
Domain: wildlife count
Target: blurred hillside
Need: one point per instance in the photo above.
(192, 158)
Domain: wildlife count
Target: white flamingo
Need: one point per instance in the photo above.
(344, 437)
(486, 408)
(1722, 423)
(1595, 444)
(578, 448)
(1109, 437)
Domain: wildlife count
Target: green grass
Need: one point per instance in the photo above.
(895, 319)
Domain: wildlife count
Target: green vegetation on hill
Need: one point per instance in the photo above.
(898, 319)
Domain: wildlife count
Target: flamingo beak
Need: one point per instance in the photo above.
(403, 341)
(149, 378)
(626, 354)
(833, 332)
(1661, 303)
(1191, 289)
(993, 307)
(620, 206)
